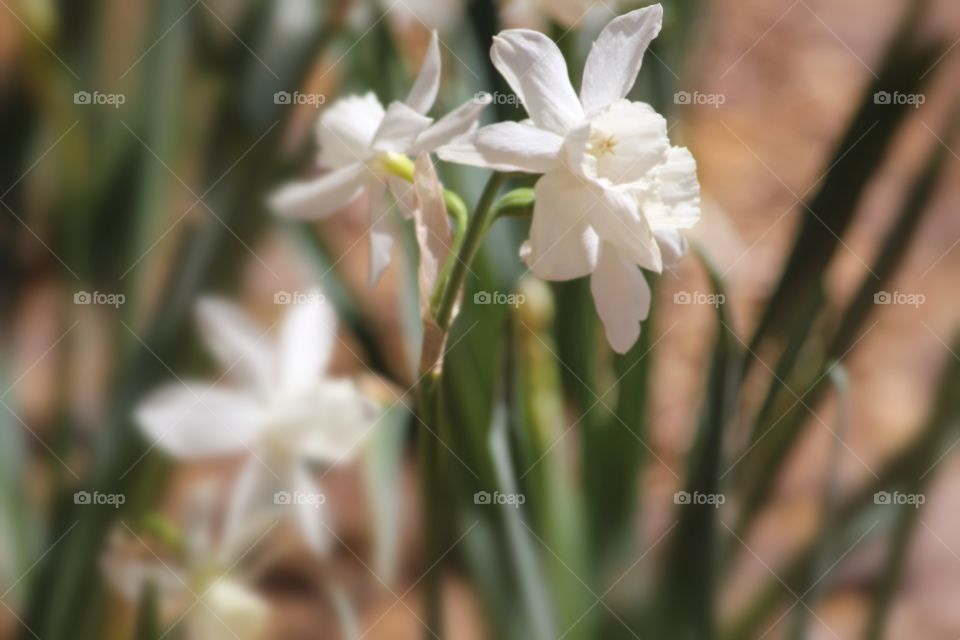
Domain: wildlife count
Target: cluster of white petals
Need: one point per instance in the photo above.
(356, 137)
(202, 590)
(279, 408)
(614, 193)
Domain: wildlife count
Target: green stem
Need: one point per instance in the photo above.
(432, 515)
(476, 229)
(428, 395)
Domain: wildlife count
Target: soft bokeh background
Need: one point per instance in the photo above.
(161, 198)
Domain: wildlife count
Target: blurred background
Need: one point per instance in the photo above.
(141, 138)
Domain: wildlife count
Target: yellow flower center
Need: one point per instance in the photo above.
(602, 144)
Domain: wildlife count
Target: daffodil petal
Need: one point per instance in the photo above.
(672, 243)
(400, 127)
(310, 512)
(424, 91)
(616, 217)
(535, 69)
(308, 337)
(243, 349)
(520, 145)
(321, 196)
(562, 244)
(228, 610)
(677, 192)
(614, 61)
(332, 421)
(381, 232)
(457, 123)
(346, 128)
(432, 227)
(251, 507)
(192, 420)
(621, 295)
(507, 146)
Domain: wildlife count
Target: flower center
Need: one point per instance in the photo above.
(601, 144)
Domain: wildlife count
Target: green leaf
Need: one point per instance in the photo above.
(523, 549)
(915, 462)
(783, 417)
(853, 165)
(148, 614)
(826, 546)
(687, 587)
(615, 451)
(382, 472)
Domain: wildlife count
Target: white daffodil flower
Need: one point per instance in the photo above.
(359, 140)
(198, 590)
(283, 411)
(614, 192)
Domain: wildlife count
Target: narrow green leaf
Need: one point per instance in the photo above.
(783, 417)
(855, 162)
(148, 614)
(687, 587)
(826, 545)
(383, 467)
(916, 461)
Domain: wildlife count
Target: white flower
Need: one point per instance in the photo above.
(213, 602)
(612, 185)
(357, 137)
(282, 410)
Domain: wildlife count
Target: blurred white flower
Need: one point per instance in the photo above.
(567, 13)
(614, 193)
(358, 139)
(200, 590)
(283, 411)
